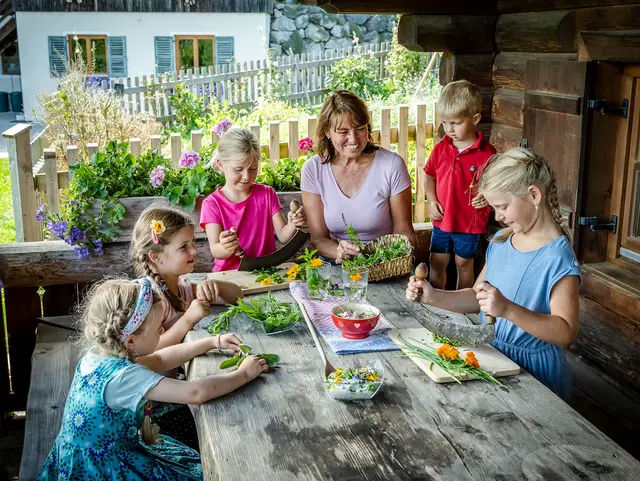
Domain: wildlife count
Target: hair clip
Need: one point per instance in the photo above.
(165, 288)
(157, 228)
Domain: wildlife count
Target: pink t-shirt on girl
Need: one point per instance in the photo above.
(170, 314)
(369, 210)
(252, 219)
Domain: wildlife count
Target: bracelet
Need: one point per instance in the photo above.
(218, 348)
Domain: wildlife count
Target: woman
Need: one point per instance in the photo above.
(353, 181)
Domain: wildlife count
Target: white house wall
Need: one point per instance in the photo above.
(34, 28)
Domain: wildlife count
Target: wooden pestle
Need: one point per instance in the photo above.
(239, 250)
(421, 275)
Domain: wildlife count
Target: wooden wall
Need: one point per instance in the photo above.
(218, 6)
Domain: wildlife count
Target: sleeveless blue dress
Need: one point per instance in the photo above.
(99, 443)
(527, 278)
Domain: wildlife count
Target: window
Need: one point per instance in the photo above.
(92, 49)
(10, 65)
(194, 51)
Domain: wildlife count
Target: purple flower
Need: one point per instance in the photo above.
(1, 284)
(97, 247)
(189, 159)
(57, 229)
(41, 213)
(222, 127)
(157, 176)
(75, 235)
(81, 251)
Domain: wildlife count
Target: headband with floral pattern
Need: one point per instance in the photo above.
(143, 306)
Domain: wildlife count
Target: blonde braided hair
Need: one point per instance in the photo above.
(513, 172)
(105, 311)
(142, 244)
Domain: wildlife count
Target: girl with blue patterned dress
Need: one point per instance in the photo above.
(531, 277)
(106, 432)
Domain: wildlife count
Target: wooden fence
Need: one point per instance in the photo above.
(300, 79)
(36, 180)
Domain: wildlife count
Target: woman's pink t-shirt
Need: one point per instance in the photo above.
(252, 218)
(369, 210)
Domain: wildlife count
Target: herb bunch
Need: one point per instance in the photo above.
(381, 254)
(245, 351)
(268, 275)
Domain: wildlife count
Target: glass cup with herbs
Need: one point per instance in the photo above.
(318, 279)
(355, 281)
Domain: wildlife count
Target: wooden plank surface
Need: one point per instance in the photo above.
(245, 279)
(412, 430)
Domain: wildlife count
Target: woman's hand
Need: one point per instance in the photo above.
(479, 201)
(198, 309)
(419, 290)
(229, 240)
(346, 250)
(207, 291)
(436, 211)
(252, 367)
(298, 219)
(491, 300)
(229, 342)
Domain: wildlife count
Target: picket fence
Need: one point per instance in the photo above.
(35, 178)
(300, 79)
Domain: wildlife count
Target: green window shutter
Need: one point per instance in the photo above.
(164, 55)
(224, 50)
(117, 56)
(58, 55)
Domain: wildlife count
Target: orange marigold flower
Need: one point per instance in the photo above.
(315, 262)
(267, 282)
(443, 349)
(355, 277)
(471, 360)
(452, 353)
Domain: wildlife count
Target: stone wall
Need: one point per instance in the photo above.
(306, 28)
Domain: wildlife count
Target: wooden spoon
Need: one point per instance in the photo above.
(328, 368)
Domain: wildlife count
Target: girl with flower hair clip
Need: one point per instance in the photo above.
(242, 217)
(106, 431)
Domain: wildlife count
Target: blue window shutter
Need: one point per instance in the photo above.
(58, 55)
(224, 50)
(164, 55)
(117, 56)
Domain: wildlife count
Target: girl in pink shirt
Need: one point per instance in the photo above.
(243, 215)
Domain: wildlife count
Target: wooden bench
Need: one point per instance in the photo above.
(52, 368)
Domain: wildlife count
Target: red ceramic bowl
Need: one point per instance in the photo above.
(351, 327)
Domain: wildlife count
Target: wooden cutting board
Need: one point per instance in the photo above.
(245, 280)
(490, 358)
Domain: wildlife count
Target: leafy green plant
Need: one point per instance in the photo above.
(354, 238)
(183, 186)
(266, 273)
(405, 67)
(189, 110)
(285, 176)
(245, 351)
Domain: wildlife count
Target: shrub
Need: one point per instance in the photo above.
(359, 74)
(295, 43)
(404, 66)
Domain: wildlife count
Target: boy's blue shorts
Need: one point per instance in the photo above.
(462, 245)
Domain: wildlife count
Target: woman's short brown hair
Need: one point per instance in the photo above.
(338, 103)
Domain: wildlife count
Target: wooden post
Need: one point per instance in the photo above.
(274, 142)
(155, 143)
(312, 125)
(437, 121)
(135, 146)
(420, 210)
(22, 189)
(92, 148)
(385, 127)
(196, 140)
(214, 136)
(403, 132)
(72, 158)
(176, 148)
(51, 180)
(293, 139)
(255, 130)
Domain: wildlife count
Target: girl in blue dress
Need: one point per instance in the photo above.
(106, 432)
(531, 278)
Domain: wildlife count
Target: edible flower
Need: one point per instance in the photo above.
(447, 351)
(355, 277)
(267, 282)
(317, 262)
(471, 360)
(157, 228)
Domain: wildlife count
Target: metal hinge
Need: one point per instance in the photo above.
(523, 143)
(592, 222)
(604, 107)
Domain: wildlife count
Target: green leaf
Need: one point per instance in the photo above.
(244, 348)
(229, 362)
(188, 203)
(272, 359)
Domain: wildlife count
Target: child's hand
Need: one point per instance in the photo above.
(436, 211)
(229, 342)
(298, 219)
(198, 309)
(252, 367)
(229, 240)
(419, 290)
(491, 300)
(346, 250)
(479, 201)
(207, 291)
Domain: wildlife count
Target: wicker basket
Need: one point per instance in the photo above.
(400, 266)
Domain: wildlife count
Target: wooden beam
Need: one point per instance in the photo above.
(475, 68)
(565, 104)
(536, 32)
(608, 19)
(468, 7)
(517, 6)
(508, 107)
(509, 67)
(504, 137)
(609, 46)
(447, 33)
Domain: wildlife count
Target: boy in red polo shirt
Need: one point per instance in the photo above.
(459, 215)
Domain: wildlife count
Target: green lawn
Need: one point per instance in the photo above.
(7, 226)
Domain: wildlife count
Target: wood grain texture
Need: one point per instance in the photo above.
(610, 46)
(508, 107)
(412, 430)
(503, 137)
(54, 362)
(536, 32)
(515, 6)
(509, 68)
(476, 68)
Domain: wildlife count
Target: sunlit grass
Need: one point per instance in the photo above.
(7, 225)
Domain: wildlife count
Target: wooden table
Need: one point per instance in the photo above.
(285, 426)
